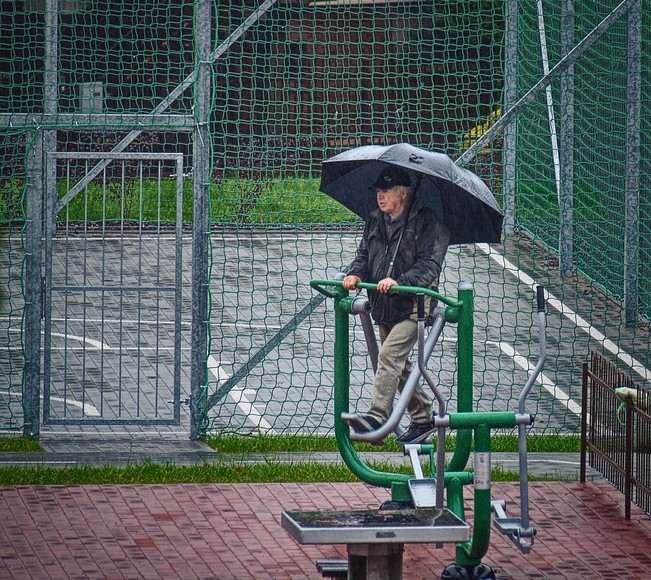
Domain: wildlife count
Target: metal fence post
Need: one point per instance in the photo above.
(201, 217)
(628, 458)
(510, 97)
(632, 192)
(39, 183)
(566, 149)
(33, 289)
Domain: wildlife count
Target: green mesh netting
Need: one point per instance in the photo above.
(13, 152)
(303, 82)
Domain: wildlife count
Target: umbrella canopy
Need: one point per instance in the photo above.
(460, 199)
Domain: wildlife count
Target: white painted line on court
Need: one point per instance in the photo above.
(96, 343)
(239, 397)
(86, 408)
(547, 384)
(580, 322)
(227, 236)
(154, 323)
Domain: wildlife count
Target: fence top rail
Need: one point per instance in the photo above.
(96, 121)
(102, 155)
(600, 381)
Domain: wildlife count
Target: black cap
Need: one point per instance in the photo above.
(390, 177)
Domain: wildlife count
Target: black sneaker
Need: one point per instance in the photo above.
(416, 433)
(363, 424)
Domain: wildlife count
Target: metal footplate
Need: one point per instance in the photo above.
(512, 527)
(423, 492)
(422, 489)
(376, 526)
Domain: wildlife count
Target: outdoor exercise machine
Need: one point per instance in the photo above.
(416, 512)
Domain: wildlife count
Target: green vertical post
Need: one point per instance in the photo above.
(455, 497)
(341, 404)
(465, 345)
(471, 553)
(341, 369)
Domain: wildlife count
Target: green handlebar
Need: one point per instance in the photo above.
(318, 284)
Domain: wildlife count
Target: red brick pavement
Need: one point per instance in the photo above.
(233, 532)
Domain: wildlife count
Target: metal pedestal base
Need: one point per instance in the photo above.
(375, 561)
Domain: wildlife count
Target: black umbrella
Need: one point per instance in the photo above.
(461, 200)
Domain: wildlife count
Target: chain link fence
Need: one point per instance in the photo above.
(545, 103)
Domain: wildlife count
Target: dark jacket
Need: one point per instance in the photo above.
(418, 261)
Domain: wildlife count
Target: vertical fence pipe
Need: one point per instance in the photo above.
(40, 182)
(632, 185)
(33, 288)
(566, 148)
(584, 422)
(201, 220)
(510, 97)
(178, 282)
(628, 458)
(51, 96)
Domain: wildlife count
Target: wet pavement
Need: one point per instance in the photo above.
(233, 531)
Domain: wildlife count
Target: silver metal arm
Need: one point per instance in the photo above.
(519, 529)
(522, 428)
(408, 390)
(440, 432)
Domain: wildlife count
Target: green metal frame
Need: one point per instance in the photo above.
(465, 421)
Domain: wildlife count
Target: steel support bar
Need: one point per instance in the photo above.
(551, 117)
(201, 218)
(465, 348)
(510, 98)
(473, 551)
(566, 148)
(494, 419)
(140, 122)
(632, 184)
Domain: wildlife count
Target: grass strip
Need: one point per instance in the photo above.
(500, 443)
(268, 471)
(149, 473)
(312, 443)
(17, 444)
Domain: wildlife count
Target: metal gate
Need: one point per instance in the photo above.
(113, 289)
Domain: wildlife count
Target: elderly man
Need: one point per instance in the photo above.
(403, 244)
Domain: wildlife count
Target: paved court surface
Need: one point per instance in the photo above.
(233, 532)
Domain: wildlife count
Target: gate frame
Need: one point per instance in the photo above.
(53, 205)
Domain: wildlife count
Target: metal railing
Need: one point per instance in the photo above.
(616, 431)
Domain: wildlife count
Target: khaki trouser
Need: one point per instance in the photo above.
(393, 368)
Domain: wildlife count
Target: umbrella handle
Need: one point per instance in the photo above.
(419, 179)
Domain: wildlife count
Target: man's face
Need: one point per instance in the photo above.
(392, 201)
